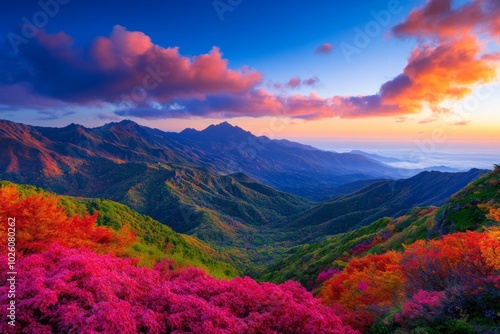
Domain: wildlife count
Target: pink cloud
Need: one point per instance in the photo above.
(326, 48)
(123, 66)
(294, 83)
(462, 123)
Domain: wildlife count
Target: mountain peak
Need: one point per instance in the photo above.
(127, 122)
(227, 130)
(223, 126)
(222, 131)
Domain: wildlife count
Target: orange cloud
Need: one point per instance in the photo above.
(142, 79)
(450, 59)
(436, 73)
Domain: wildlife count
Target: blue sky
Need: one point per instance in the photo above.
(376, 93)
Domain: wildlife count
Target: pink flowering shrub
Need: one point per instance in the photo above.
(424, 307)
(74, 290)
(325, 275)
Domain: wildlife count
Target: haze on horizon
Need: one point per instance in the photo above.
(383, 74)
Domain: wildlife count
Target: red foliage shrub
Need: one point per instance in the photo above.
(326, 275)
(358, 318)
(74, 290)
(459, 260)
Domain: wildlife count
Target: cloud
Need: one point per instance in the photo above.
(427, 120)
(324, 49)
(462, 123)
(124, 67)
(400, 119)
(440, 19)
(437, 73)
(294, 83)
(260, 103)
(311, 82)
(107, 117)
(453, 56)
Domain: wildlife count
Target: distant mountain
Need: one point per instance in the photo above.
(380, 199)
(348, 188)
(288, 166)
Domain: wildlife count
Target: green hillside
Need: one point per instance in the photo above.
(234, 214)
(154, 241)
(385, 198)
(466, 210)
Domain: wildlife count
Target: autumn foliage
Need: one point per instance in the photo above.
(41, 220)
(72, 279)
(367, 287)
(455, 277)
(494, 214)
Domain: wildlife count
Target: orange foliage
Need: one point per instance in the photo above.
(41, 220)
(367, 287)
(459, 264)
(372, 284)
(494, 214)
(459, 258)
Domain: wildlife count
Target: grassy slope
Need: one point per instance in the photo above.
(378, 200)
(154, 241)
(234, 214)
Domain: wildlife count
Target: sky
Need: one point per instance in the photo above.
(365, 74)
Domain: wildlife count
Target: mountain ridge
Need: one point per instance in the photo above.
(226, 149)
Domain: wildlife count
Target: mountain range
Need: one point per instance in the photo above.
(384, 198)
(222, 185)
(56, 153)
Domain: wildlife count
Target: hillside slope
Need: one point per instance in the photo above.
(153, 241)
(475, 206)
(380, 199)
